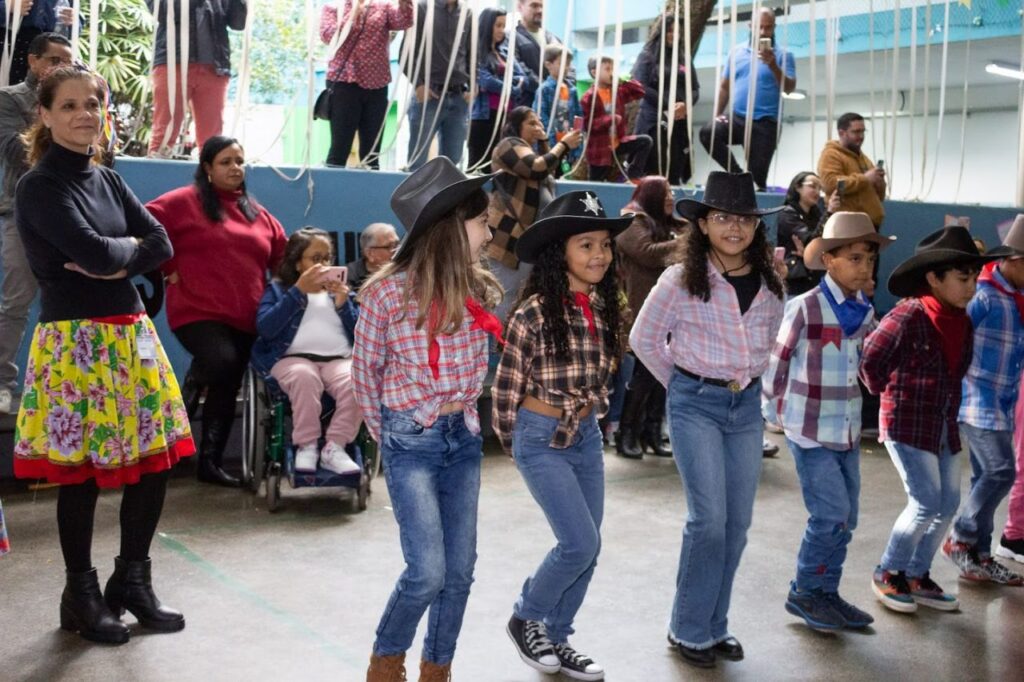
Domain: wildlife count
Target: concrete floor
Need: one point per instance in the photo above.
(296, 595)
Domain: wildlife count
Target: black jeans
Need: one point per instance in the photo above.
(355, 109)
(220, 354)
(763, 139)
(678, 171)
(632, 154)
(649, 395)
(481, 142)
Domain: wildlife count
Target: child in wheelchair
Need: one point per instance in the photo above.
(306, 322)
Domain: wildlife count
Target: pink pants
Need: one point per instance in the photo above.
(305, 382)
(207, 93)
(1015, 519)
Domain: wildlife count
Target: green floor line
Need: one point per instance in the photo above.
(285, 617)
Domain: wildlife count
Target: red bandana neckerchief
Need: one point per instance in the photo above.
(482, 319)
(953, 326)
(989, 278)
(583, 301)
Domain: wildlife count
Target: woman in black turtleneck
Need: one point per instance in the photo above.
(101, 407)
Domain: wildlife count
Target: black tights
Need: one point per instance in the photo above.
(220, 354)
(141, 505)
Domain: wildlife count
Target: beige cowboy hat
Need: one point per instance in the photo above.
(843, 227)
(1013, 244)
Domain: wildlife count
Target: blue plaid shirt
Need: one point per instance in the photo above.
(993, 378)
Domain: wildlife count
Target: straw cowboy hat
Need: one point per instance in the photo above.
(726, 192)
(570, 214)
(950, 246)
(842, 228)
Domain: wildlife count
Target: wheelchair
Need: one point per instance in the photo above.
(269, 456)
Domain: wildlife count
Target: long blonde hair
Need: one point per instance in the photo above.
(438, 272)
(38, 138)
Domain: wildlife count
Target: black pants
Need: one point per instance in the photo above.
(678, 171)
(355, 109)
(763, 138)
(646, 396)
(141, 506)
(19, 59)
(481, 143)
(220, 354)
(632, 154)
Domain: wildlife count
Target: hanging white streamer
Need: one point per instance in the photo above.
(782, 90)
(503, 97)
(831, 48)
(755, 67)
(890, 155)
(913, 97)
(562, 68)
(942, 101)
(95, 7)
(925, 93)
(719, 41)
(688, 51)
(812, 93)
(170, 40)
(963, 118)
(871, 69)
(12, 25)
(244, 76)
(732, 80)
(76, 28)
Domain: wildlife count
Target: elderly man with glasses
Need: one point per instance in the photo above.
(377, 244)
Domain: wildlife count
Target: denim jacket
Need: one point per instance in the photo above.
(278, 319)
(488, 82)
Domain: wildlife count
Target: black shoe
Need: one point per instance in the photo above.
(652, 438)
(131, 588)
(630, 446)
(83, 610)
(216, 432)
(576, 665)
(729, 648)
(1011, 549)
(533, 645)
(698, 658)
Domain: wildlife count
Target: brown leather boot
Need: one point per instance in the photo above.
(386, 668)
(433, 672)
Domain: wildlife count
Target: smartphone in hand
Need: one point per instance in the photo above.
(780, 253)
(577, 123)
(337, 274)
(764, 44)
(841, 188)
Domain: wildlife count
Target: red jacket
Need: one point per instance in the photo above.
(222, 267)
(599, 144)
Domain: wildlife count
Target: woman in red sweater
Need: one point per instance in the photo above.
(224, 245)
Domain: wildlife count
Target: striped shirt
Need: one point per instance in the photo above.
(993, 378)
(711, 339)
(390, 367)
(813, 372)
(529, 367)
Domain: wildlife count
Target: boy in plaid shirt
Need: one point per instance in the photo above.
(604, 121)
(812, 379)
(986, 414)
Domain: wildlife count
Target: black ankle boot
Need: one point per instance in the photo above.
(190, 393)
(652, 438)
(630, 445)
(131, 588)
(211, 453)
(83, 610)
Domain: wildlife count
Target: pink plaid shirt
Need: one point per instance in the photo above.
(711, 339)
(364, 57)
(389, 361)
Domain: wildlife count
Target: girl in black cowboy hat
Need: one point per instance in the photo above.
(418, 367)
(563, 342)
(722, 307)
(916, 359)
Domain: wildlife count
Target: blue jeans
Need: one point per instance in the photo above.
(716, 441)
(830, 481)
(618, 383)
(993, 469)
(932, 482)
(452, 124)
(568, 484)
(433, 477)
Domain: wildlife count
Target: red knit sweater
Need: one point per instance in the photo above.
(222, 267)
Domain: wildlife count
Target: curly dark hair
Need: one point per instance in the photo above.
(695, 263)
(549, 279)
(298, 242)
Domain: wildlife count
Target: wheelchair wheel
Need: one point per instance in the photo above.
(371, 453)
(255, 421)
(274, 487)
(363, 493)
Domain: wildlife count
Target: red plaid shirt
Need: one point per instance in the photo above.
(389, 360)
(364, 57)
(903, 361)
(599, 144)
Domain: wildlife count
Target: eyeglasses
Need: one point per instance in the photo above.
(56, 61)
(812, 184)
(386, 247)
(325, 259)
(745, 221)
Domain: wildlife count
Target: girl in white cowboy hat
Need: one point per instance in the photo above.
(721, 307)
(418, 367)
(563, 342)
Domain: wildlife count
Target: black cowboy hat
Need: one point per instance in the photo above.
(950, 246)
(728, 192)
(571, 213)
(428, 194)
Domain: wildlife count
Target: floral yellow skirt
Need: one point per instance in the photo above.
(100, 402)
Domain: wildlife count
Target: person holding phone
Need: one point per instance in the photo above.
(846, 169)
(306, 323)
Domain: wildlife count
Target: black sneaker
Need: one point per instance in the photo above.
(533, 645)
(854, 617)
(576, 665)
(814, 608)
(1011, 549)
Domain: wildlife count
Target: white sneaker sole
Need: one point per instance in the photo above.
(576, 675)
(1009, 554)
(343, 470)
(899, 607)
(536, 665)
(938, 604)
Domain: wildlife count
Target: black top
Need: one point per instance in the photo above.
(746, 287)
(656, 77)
(69, 210)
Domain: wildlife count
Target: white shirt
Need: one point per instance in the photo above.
(320, 331)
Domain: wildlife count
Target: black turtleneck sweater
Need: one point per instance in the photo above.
(69, 210)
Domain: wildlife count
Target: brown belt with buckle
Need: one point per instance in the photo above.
(730, 384)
